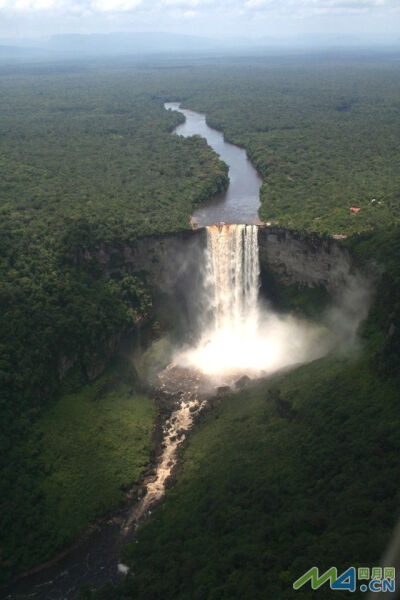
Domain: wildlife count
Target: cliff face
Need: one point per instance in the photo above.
(306, 260)
(168, 259)
(172, 263)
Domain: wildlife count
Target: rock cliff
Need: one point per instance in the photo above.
(303, 259)
(172, 263)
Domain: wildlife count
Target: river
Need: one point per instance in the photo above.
(240, 202)
(94, 560)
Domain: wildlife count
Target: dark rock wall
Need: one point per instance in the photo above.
(306, 260)
(172, 265)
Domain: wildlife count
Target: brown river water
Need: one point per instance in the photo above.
(240, 202)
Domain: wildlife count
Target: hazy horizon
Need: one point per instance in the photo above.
(139, 45)
(249, 21)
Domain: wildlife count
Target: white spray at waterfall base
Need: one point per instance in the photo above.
(238, 333)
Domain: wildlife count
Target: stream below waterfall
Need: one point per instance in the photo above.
(95, 558)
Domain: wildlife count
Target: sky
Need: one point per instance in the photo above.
(211, 18)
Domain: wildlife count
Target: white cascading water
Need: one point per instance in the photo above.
(232, 280)
(238, 335)
(232, 275)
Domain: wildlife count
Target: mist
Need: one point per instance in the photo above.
(241, 334)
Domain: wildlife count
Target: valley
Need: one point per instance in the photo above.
(153, 289)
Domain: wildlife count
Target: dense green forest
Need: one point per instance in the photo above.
(74, 464)
(323, 135)
(87, 158)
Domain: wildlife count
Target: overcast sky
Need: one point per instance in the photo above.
(216, 18)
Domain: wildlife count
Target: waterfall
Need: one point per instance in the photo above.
(240, 334)
(232, 275)
(230, 317)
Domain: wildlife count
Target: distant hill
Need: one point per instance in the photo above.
(108, 44)
(71, 46)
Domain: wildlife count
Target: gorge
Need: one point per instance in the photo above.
(208, 281)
